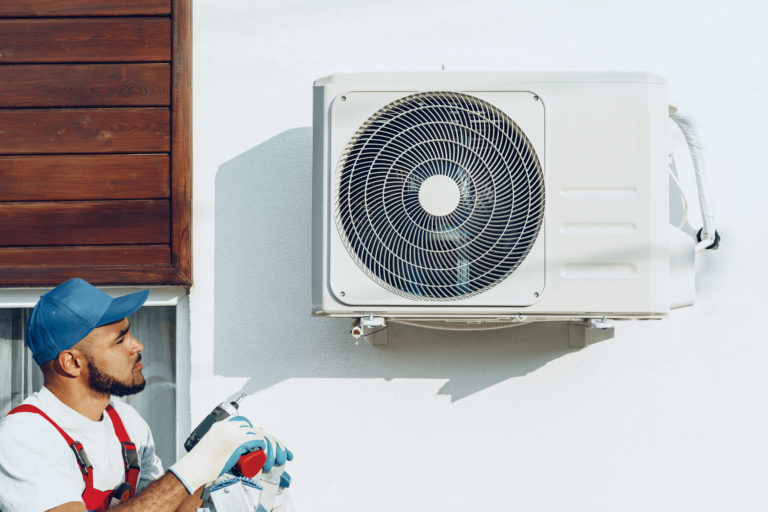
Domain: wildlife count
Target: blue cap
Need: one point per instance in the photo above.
(69, 312)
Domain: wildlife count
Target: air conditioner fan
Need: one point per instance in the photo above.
(440, 196)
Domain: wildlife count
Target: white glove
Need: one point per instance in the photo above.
(218, 451)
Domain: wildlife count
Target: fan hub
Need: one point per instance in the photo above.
(439, 195)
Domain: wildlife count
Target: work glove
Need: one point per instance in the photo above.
(282, 454)
(218, 451)
(277, 453)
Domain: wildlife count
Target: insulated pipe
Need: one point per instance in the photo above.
(708, 232)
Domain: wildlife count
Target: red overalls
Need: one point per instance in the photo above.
(94, 499)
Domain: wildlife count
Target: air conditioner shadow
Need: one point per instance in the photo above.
(263, 326)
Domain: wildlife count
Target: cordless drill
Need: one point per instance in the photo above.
(249, 464)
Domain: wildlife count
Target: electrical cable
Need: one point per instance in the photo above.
(460, 326)
(376, 331)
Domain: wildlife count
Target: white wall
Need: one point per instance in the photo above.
(668, 416)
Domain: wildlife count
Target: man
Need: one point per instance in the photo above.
(69, 448)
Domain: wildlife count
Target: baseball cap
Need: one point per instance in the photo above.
(66, 314)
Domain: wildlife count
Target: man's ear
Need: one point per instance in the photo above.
(71, 362)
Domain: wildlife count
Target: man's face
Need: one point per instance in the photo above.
(114, 357)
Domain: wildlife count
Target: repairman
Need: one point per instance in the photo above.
(70, 447)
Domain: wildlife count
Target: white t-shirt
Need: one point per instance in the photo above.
(38, 470)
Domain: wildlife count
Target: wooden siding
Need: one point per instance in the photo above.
(181, 152)
(95, 141)
(114, 255)
(84, 7)
(84, 131)
(85, 40)
(62, 85)
(84, 223)
(83, 177)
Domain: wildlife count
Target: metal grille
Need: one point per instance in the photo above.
(446, 251)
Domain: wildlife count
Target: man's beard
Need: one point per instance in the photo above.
(103, 383)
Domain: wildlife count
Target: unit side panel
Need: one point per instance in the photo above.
(658, 151)
(320, 224)
(599, 218)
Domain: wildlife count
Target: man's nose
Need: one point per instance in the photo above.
(137, 345)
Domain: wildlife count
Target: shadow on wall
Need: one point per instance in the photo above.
(263, 326)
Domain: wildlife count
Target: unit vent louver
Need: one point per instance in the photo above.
(440, 196)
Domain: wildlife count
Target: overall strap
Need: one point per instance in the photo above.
(77, 447)
(130, 455)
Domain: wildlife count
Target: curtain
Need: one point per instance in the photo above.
(155, 326)
(20, 376)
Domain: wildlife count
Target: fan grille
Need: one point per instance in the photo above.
(439, 247)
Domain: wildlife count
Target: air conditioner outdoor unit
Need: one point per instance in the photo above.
(495, 197)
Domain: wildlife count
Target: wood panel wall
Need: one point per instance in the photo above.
(95, 141)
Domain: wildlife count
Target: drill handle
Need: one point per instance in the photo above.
(220, 412)
(201, 430)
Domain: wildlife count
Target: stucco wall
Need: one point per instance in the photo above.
(668, 415)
